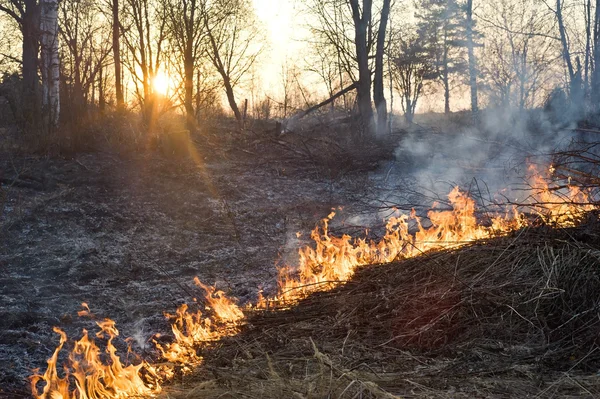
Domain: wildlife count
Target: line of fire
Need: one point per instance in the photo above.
(299, 199)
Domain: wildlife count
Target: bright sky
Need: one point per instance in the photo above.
(281, 19)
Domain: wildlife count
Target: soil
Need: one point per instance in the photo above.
(127, 235)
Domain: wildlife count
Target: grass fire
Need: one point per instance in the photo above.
(329, 263)
(305, 199)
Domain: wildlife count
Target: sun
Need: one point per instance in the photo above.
(161, 83)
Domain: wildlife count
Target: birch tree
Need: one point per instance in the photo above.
(50, 61)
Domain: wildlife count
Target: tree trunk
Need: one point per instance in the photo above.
(588, 42)
(330, 100)
(446, 83)
(30, 30)
(409, 114)
(445, 77)
(101, 97)
(472, 60)
(188, 71)
(231, 100)
(116, 29)
(595, 91)
(563, 40)
(218, 63)
(363, 87)
(378, 87)
(50, 61)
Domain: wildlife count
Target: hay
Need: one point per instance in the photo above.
(511, 317)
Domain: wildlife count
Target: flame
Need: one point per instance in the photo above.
(558, 206)
(332, 260)
(92, 377)
(193, 330)
(225, 309)
(88, 377)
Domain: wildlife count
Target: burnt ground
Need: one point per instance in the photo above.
(127, 235)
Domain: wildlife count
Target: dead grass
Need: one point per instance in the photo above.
(512, 317)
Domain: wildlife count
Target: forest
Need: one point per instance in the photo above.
(299, 199)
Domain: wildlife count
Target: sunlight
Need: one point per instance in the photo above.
(161, 83)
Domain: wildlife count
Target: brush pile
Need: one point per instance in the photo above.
(516, 316)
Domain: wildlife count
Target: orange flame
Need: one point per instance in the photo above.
(92, 377)
(192, 330)
(335, 259)
(332, 261)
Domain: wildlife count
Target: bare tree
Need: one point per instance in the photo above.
(362, 32)
(595, 89)
(412, 67)
(378, 84)
(186, 33)
(472, 61)
(84, 55)
(145, 34)
(116, 48)
(26, 14)
(354, 53)
(520, 54)
(234, 44)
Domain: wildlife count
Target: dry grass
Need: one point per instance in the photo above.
(512, 317)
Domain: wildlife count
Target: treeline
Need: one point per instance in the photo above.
(108, 53)
(80, 57)
(468, 54)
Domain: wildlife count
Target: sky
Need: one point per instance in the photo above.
(284, 34)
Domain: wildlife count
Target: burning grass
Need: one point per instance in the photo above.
(335, 259)
(532, 289)
(510, 317)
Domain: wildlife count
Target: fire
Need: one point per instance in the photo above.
(91, 373)
(335, 259)
(92, 377)
(192, 330)
(225, 309)
(559, 206)
(87, 376)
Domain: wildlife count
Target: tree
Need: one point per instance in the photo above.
(378, 86)
(83, 56)
(116, 48)
(345, 29)
(362, 30)
(234, 44)
(595, 89)
(472, 61)
(50, 61)
(186, 33)
(26, 14)
(518, 61)
(145, 34)
(412, 66)
(333, 46)
(441, 27)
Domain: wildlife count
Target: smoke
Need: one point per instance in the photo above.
(490, 160)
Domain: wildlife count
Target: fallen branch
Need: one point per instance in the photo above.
(324, 103)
